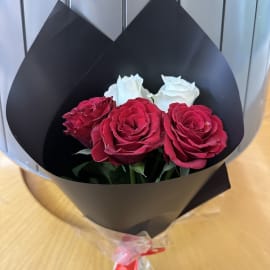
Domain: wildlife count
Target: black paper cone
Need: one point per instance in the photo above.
(71, 60)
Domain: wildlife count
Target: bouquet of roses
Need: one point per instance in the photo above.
(134, 136)
(129, 134)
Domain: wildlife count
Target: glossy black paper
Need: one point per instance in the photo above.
(71, 60)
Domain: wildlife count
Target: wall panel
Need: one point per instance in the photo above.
(36, 13)
(237, 39)
(133, 8)
(11, 55)
(256, 88)
(208, 14)
(105, 15)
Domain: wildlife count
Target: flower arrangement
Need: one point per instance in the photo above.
(129, 134)
(134, 136)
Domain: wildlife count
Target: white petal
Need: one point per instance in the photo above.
(146, 94)
(128, 87)
(111, 92)
(162, 101)
(180, 89)
(170, 79)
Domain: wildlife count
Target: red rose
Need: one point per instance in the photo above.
(193, 134)
(82, 119)
(130, 132)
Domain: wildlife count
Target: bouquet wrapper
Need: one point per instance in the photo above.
(71, 60)
(128, 252)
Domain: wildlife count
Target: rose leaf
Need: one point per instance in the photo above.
(168, 167)
(138, 168)
(85, 151)
(76, 171)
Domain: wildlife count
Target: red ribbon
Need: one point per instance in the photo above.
(135, 264)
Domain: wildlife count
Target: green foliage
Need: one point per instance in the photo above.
(85, 151)
(152, 169)
(100, 173)
(184, 171)
(168, 168)
(138, 168)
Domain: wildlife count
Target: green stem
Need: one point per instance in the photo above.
(168, 174)
(132, 175)
(184, 171)
(142, 179)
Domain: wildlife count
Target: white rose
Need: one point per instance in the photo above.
(127, 88)
(175, 89)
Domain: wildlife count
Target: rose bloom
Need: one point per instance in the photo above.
(130, 132)
(175, 89)
(128, 87)
(83, 118)
(193, 135)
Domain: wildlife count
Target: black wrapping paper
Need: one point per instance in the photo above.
(71, 60)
